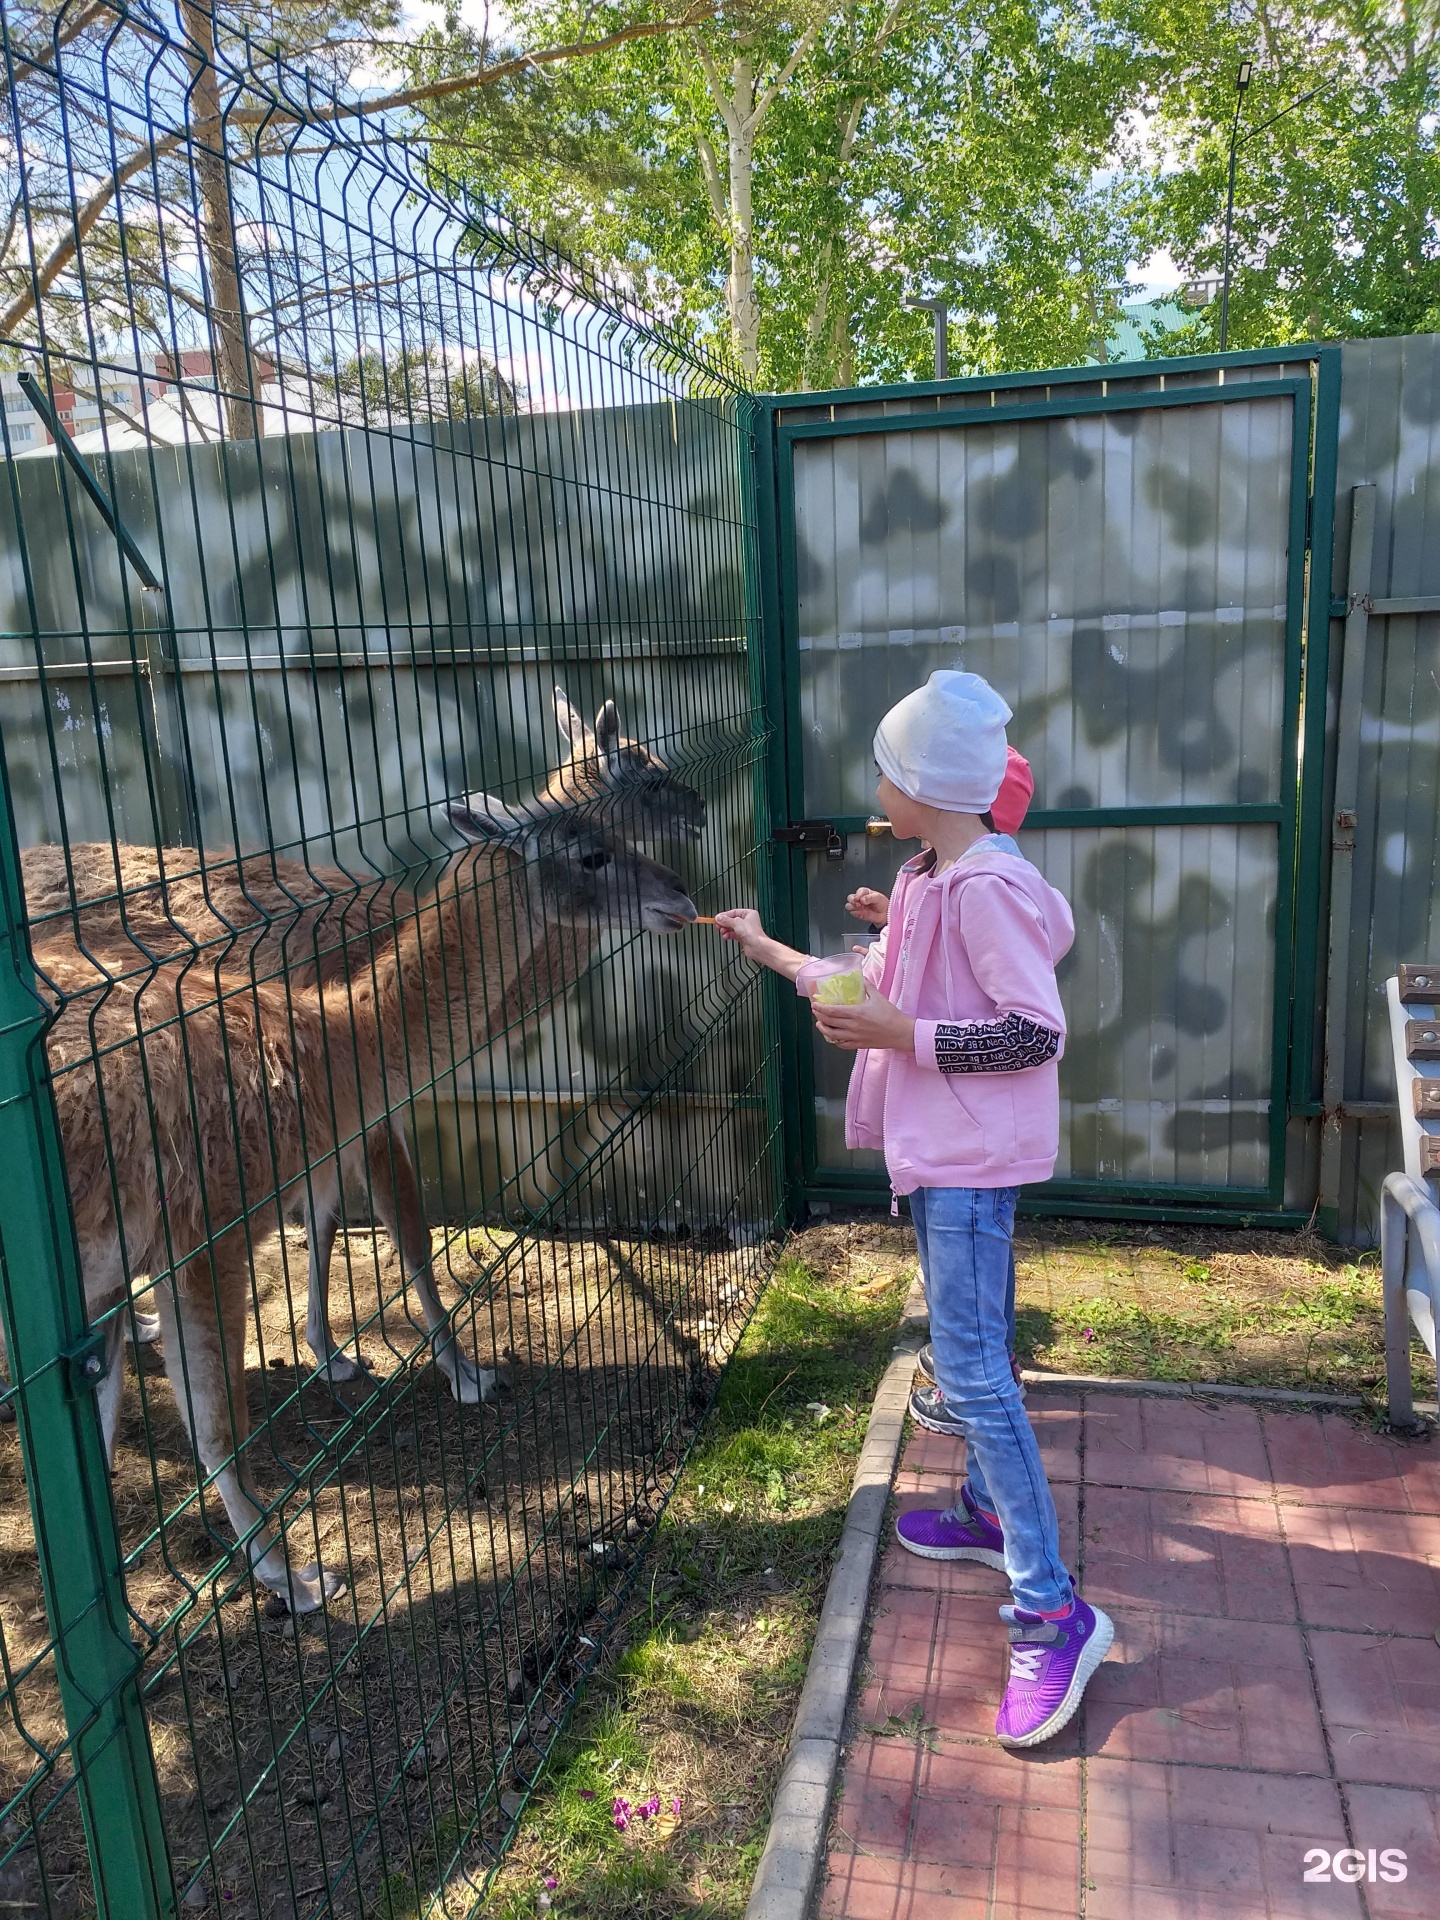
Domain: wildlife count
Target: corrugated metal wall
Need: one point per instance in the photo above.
(1390, 439)
(518, 546)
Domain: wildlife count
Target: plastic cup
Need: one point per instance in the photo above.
(840, 982)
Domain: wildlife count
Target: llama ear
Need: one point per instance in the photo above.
(482, 819)
(573, 730)
(607, 728)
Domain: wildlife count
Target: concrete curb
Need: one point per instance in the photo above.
(1201, 1390)
(795, 1845)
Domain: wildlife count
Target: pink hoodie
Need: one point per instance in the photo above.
(975, 944)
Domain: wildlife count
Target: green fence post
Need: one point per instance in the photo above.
(776, 862)
(43, 1305)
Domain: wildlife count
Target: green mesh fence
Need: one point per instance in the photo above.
(388, 1158)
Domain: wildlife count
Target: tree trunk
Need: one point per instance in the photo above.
(816, 321)
(233, 365)
(744, 305)
(842, 349)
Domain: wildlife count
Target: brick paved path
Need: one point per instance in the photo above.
(1274, 1686)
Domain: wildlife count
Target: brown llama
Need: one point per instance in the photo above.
(274, 915)
(622, 780)
(279, 918)
(196, 1105)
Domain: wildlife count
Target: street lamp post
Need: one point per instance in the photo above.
(941, 311)
(1242, 81)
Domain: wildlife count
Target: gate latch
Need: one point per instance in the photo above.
(85, 1362)
(814, 836)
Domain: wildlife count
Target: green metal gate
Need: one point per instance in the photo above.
(1139, 561)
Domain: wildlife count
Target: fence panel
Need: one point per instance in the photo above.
(1390, 443)
(350, 944)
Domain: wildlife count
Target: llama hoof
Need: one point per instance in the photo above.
(146, 1329)
(471, 1385)
(340, 1370)
(312, 1588)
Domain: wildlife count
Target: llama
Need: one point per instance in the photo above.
(621, 779)
(273, 915)
(279, 918)
(194, 1105)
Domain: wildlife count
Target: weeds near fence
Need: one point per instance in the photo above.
(1251, 1308)
(697, 1707)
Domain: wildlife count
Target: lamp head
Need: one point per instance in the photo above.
(1242, 78)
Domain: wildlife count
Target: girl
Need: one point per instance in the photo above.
(1004, 817)
(956, 1079)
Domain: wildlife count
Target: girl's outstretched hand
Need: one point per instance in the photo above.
(875, 1024)
(744, 927)
(866, 904)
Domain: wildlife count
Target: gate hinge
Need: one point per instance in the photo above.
(85, 1362)
(814, 836)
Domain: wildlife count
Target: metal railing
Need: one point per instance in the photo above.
(1409, 1217)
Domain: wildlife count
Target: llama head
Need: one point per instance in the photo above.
(618, 781)
(573, 871)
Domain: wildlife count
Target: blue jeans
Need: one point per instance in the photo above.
(964, 1236)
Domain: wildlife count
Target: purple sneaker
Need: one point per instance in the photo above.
(1051, 1662)
(958, 1533)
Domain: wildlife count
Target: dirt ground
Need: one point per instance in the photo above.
(332, 1763)
(335, 1764)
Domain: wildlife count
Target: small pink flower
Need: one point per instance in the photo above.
(621, 1814)
(1088, 1334)
(649, 1808)
(675, 1806)
(551, 1883)
(587, 1793)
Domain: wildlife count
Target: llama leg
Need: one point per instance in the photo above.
(111, 1391)
(106, 1298)
(207, 1372)
(322, 1223)
(397, 1197)
(145, 1329)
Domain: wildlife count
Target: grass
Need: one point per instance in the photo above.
(1246, 1308)
(693, 1713)
(692, 1716)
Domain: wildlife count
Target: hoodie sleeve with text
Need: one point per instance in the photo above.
(1012, 957)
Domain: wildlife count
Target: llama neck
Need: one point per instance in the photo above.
(475, 959)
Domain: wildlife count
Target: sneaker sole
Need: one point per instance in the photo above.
(987, 1556)
(1100, 1642)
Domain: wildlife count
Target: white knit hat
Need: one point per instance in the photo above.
(944, 744)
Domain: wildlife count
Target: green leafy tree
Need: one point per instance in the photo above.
(785, 174)
(1337, 198)
(133, 142)
(962, 165)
